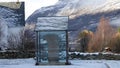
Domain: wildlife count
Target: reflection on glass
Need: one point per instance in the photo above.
(52, 46)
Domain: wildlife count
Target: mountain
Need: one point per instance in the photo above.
(11, 23)
(83, 14)
(13, 14)
(3, 33)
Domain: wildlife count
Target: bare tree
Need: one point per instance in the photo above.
(12, 41)
(21, 40)
(102, 36)
(115, 43)
(83, 39)
(29, 40)
(3, 34)
(15, 41)
(0, 34)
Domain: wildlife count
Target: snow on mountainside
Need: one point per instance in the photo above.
(74, 8)
(11, 22)
(83, 14)
(3, 33)
(6, 13)
(12, 16)
(78, 7)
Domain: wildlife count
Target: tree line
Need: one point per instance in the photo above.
(104, 36)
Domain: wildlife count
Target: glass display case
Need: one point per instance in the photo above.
(52, 46)
(51, 40)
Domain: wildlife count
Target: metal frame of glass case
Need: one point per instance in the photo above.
(52, 47)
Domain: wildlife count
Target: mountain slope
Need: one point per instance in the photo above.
(83, 14)
(11, 23)
(13, 16)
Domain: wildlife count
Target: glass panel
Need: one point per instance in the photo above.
(52, 23)
(43, 49)
(52, 46)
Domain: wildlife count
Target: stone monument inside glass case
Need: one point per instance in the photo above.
(51, 40)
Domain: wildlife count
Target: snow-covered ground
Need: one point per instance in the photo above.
(30, 63)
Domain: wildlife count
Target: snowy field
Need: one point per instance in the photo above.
(30, 63)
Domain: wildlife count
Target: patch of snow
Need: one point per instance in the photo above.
(30, 63)
(43, 9)
(76, 8)
(8, 19)
(15, 30)
(81, 53)
(4, 34)
(9, 16)
(16, 61)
